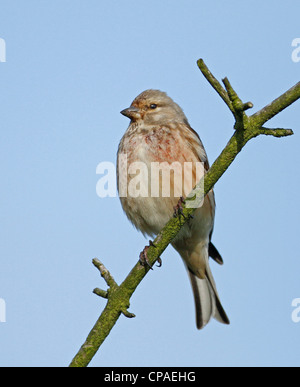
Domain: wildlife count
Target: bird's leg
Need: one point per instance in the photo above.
(144, 257)
(178, 209)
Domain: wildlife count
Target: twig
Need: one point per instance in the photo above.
(100, 292)
(278, 132)
(108, 278)
(277, 105)
(215, 84)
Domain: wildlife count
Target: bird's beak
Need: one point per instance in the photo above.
(132, 112)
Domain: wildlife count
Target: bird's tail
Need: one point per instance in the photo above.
(207, 301)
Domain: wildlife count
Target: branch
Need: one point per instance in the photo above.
(277, 105)
(215, 84)
(105, 273)
(246, 128)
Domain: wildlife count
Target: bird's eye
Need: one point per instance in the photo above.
(153, 106)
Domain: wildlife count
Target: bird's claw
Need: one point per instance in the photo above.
(178, 209)
(144, 261)
(143, 258)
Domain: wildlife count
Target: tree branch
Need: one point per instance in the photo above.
(246, 128)
(215, 84)
(277, 105)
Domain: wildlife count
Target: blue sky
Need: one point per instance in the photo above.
(71, 66)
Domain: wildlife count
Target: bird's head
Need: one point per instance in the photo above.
(154, 107)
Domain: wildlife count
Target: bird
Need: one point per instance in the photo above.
(159, 134)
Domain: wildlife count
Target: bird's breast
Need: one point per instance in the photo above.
(159, 167)
(156, 144)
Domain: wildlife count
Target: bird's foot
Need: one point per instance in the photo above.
(178, 210)
(143, 258)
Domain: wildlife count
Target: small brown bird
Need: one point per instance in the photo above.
(159, 135)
